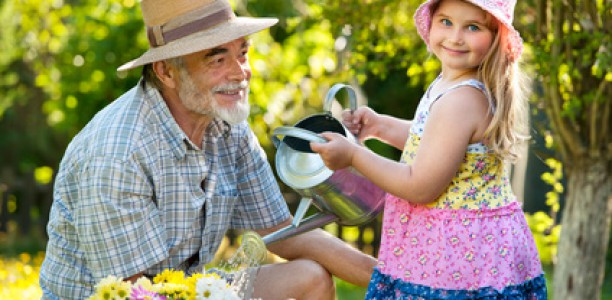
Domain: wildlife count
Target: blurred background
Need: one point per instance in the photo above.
(58, 68)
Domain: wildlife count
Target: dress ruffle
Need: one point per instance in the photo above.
(385, 287)
(457, 249)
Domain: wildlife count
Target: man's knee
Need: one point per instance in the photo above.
(316, 276)
(299, 279)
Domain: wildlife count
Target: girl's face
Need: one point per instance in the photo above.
(461, 35)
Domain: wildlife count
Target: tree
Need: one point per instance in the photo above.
(572, 48)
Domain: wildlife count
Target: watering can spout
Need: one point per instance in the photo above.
(315, 221)
(301, 211)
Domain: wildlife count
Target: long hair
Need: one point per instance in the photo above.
(508, 88)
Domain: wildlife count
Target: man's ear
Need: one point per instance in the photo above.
(166, 73)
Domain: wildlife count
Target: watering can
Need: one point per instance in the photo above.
(343, 196)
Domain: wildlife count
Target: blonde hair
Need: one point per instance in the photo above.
(508, 88)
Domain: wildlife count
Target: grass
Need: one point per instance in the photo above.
(347, 291)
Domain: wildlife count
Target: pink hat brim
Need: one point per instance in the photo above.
(422, 20)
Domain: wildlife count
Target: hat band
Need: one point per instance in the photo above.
(157, 36)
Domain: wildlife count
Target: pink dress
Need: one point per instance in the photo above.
(472, 242)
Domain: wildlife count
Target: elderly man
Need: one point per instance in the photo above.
(157, 177)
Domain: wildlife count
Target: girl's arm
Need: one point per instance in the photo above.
(456, 120)
(366, 124)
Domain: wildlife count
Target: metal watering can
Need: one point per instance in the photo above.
(343, 196)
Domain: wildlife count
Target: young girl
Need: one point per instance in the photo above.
(452, 228)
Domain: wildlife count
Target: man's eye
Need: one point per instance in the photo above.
(215, 61)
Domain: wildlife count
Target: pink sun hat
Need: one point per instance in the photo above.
(502, 10)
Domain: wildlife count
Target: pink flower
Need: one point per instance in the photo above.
(479, 165)
(140, 293)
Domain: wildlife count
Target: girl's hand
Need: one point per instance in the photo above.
(362, 122)
(337, 153)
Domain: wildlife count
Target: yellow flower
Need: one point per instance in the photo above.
(106, 292)
(144, 282)
(112, 287)
(170, 276)
(172, 290)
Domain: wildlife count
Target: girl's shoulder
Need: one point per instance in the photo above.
(466, 108)
(470, 93)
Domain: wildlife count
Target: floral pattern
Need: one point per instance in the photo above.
(457, 249)
(474, 238)
(384, 287)
(480, 182)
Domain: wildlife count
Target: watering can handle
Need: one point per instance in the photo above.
(296, 132)
(331, 95)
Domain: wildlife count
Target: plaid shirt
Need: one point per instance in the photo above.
(133, 194)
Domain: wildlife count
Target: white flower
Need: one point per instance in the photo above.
(213, 287)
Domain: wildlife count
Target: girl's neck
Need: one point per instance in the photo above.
(453, 76)
(449, 79)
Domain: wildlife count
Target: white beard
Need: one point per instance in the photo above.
(205, 104)
(234, 115)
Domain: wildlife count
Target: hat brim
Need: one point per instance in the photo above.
(223, 33)
(422, 20)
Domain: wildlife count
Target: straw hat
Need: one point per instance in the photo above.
(179, 27)
(502, 10)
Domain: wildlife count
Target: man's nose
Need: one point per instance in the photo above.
(240, 70)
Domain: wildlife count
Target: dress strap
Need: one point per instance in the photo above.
(470, 82)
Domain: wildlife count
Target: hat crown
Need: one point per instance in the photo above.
(501, 9)
(159, 12)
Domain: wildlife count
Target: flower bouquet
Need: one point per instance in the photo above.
(168, 285)
(174, 285)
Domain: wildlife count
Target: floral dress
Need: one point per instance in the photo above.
(473, 242)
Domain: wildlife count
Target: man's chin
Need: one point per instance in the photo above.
(233, 117)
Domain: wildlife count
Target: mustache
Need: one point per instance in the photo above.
(231, 86)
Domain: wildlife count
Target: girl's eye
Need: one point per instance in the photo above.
(446, 22)
(473, 28)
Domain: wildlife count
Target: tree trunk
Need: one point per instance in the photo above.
(585, 230)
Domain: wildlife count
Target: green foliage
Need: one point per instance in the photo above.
(380, 37)
(60, 71)
(575, 72)
(545, 227)
(290, 78)
(546, 235)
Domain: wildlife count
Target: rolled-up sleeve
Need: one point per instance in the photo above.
(261, 204)
(119, 226)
